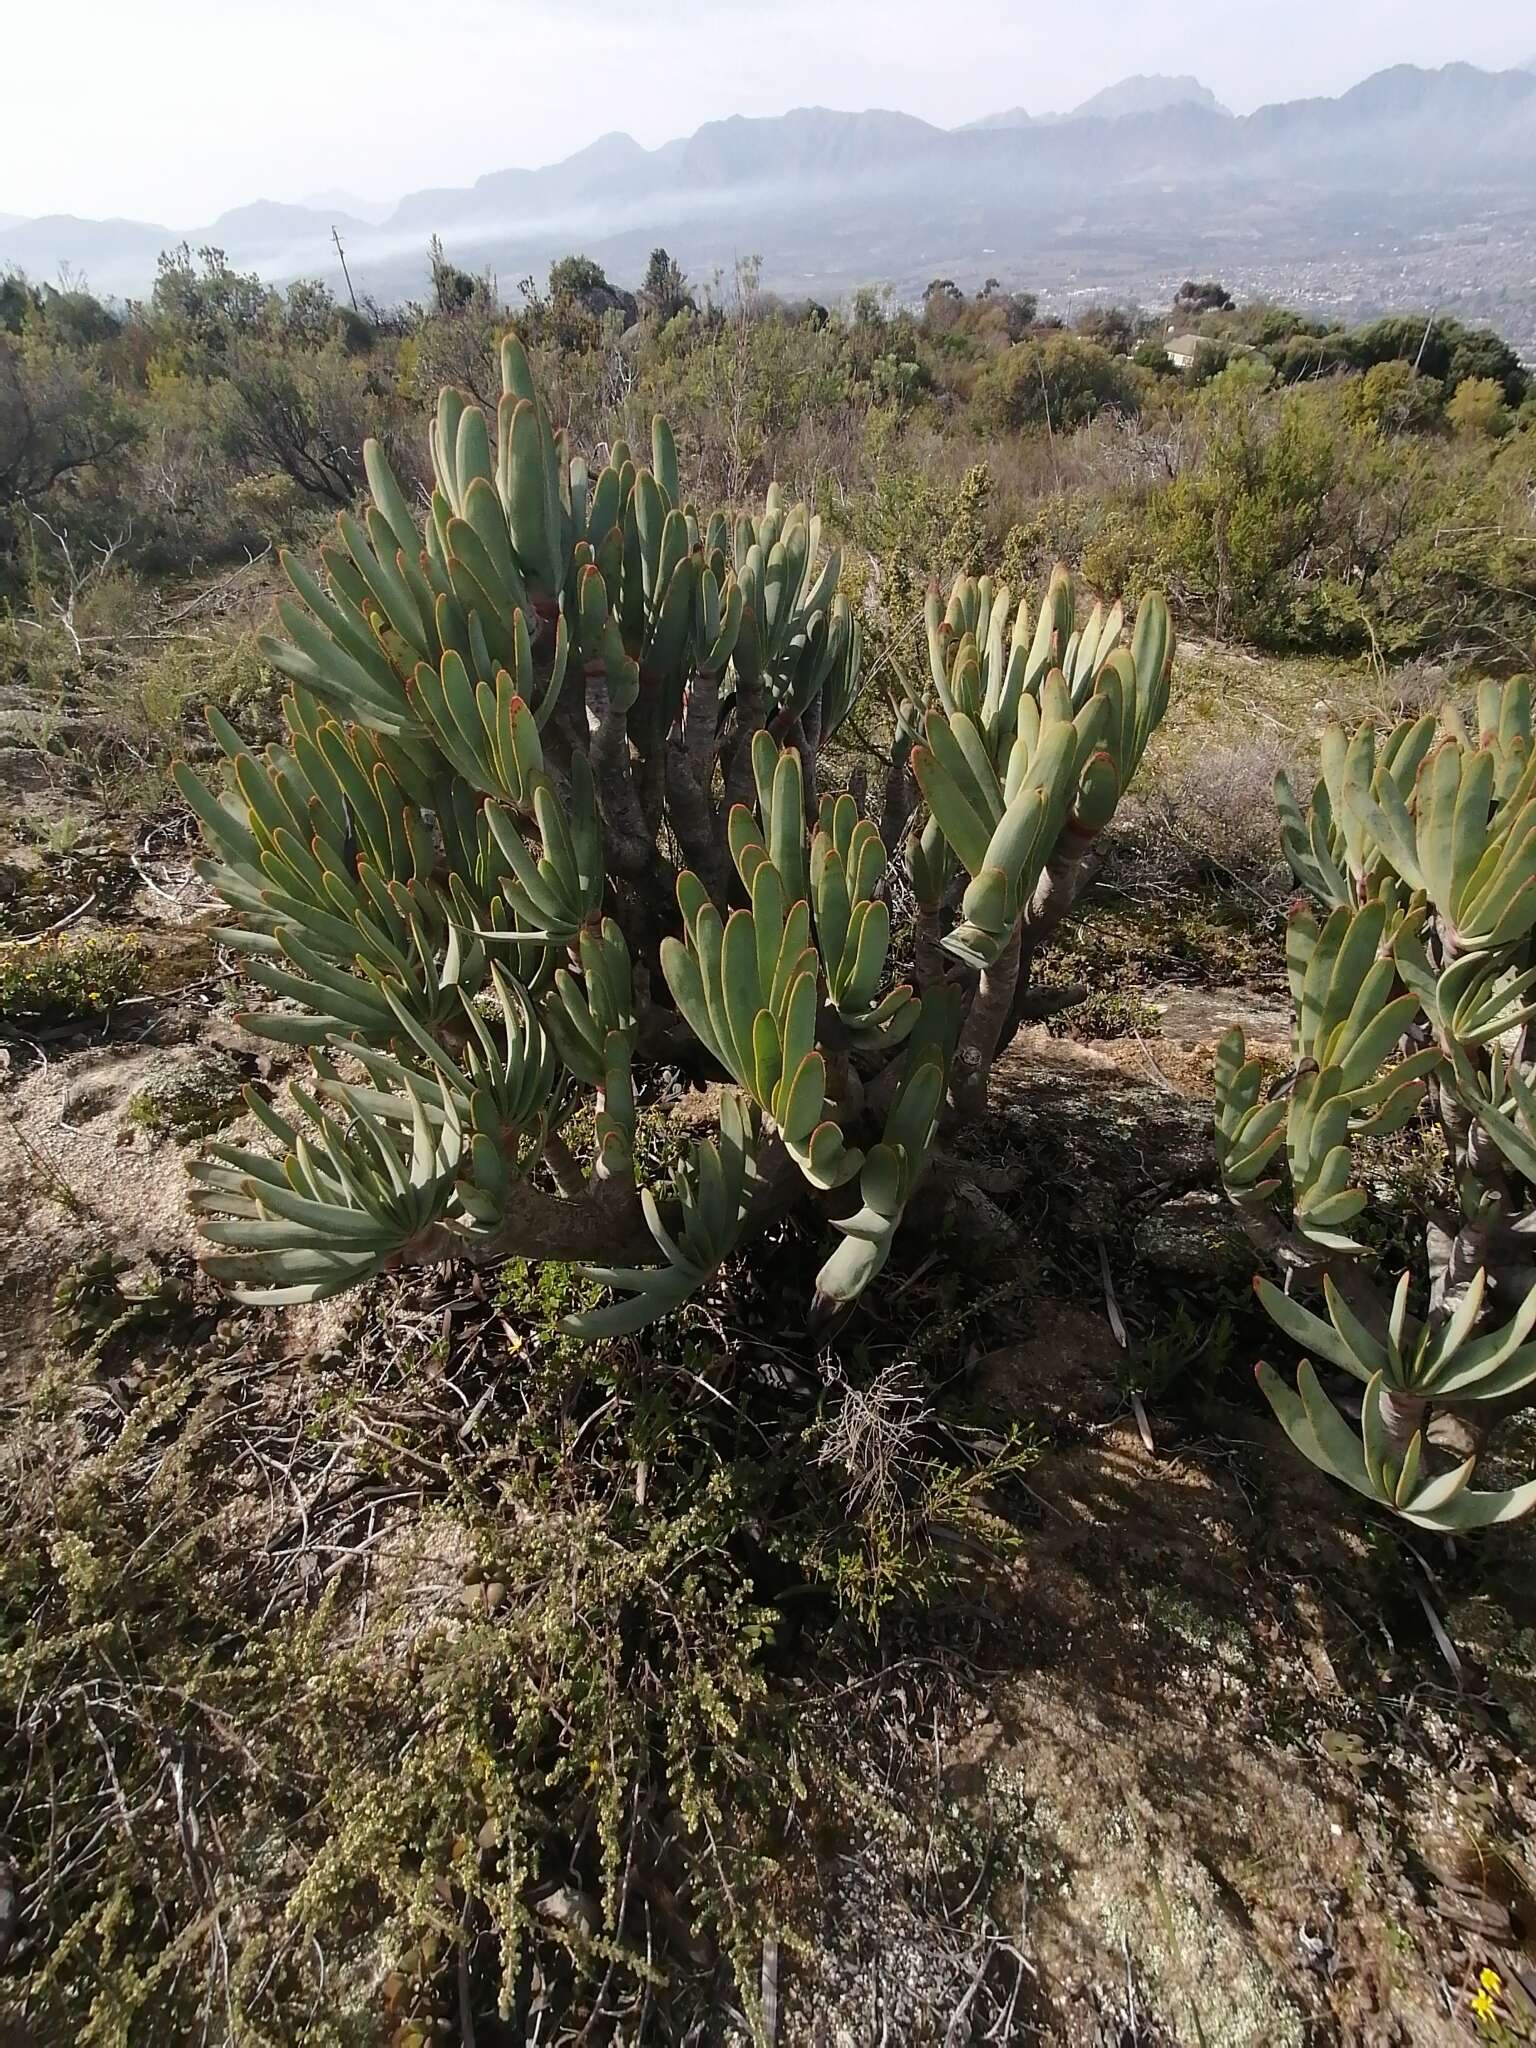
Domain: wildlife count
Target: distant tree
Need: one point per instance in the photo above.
(1401, 337)
(1019, 311)
(452, 288)
(309, 313)
(1210, 297)
(1268, 326)
(983, 325)
(1151, 355)
(1478, 407)
(1021, 308)
(17, 300)
(882, 346)
(358, 331)
(1304, 357)
(1233, 529)
(455, 346)
(579, 278)
(1211, 358)
(1393, 398)
(943, 305)
(304, 414)
(664, 292)
(576, 281)
(1477, 354)
(1245, 374)
(78, 317)
(1442, 348)
(1061, 382)
(581, 311)
(211, 302)
(1112, 327)
(58, 419)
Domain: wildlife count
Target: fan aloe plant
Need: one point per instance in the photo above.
(550, 808)
(1412, 967)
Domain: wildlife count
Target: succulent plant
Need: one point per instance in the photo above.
(549, 806)
(1022, 761)
(1410, 996)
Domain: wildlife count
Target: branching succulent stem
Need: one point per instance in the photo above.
(459, 878)
(983, 1029)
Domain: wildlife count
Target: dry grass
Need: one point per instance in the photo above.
(1226, 700)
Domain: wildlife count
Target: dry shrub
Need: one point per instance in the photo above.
(1417, 687)
(1211, 818)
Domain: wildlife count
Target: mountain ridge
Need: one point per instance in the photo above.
(833, 198)
(1148, 93)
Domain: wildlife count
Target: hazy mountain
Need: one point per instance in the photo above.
(1139, 95)
(278, 239)
(605, 167)
(1010, 117)
(707, 171)
(336, 201)
(11, 220)
(272, 223)
(119, 257)
(1416, 186)
(114, 255)
(1147, 95)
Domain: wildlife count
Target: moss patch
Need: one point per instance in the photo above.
(187, 1100)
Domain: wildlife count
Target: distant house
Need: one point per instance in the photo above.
(1182, 349)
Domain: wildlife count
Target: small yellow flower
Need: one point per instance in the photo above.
(1491, 1981)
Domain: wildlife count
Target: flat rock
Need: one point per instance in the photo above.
(1200, 1016)
(1117, 1143)
(1195, 1234)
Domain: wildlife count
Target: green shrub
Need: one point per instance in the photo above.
(1394, 398)
(511, 1686)
(1060, 384)
(1232, 532)
(1478, 407)
(1108, 1013)
(1316, 517)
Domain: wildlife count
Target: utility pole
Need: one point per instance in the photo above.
(336, 238)
(1429, 328)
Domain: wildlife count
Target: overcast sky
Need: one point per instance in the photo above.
(172, 110)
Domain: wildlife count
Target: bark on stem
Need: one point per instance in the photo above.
(900, 794)
(631, 848)
(1402, 1417)
(606, 1225)
(690, 763)
(982, 1029)
(927, 956)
